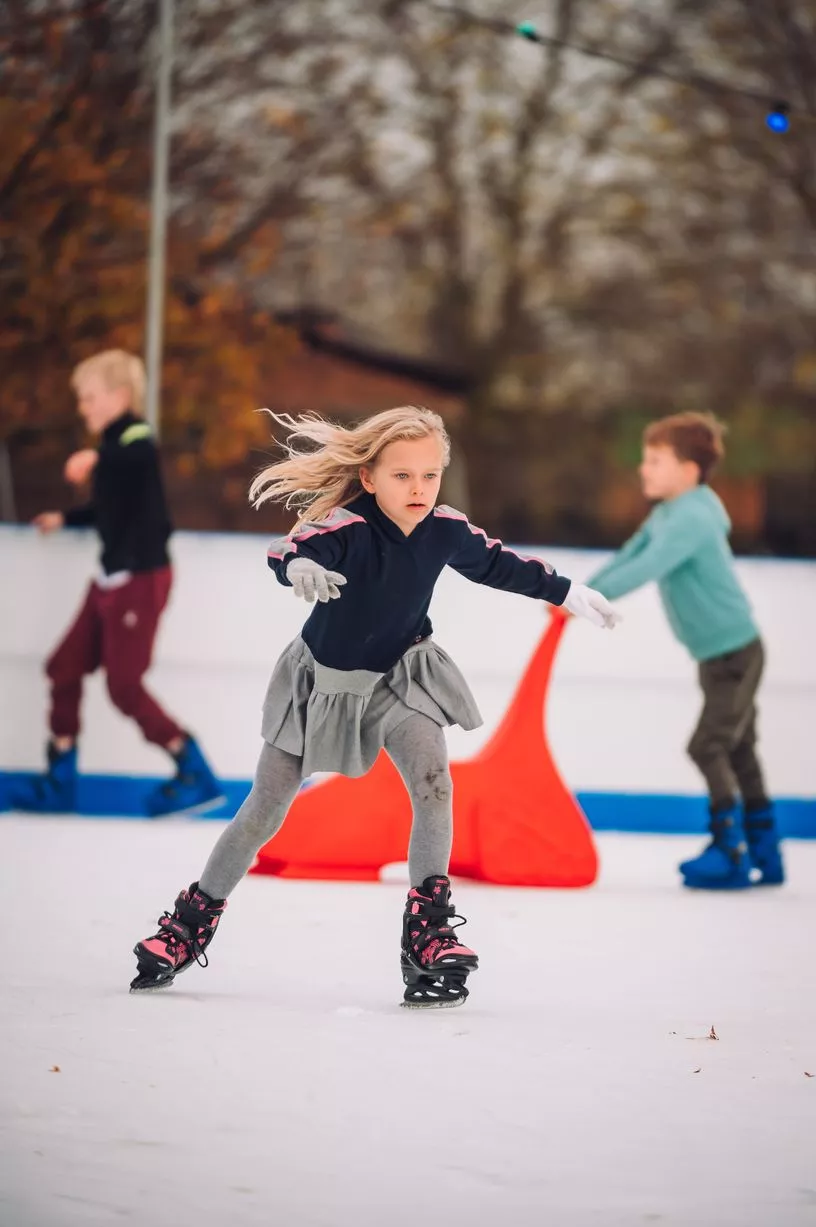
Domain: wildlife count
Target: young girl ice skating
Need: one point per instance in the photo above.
(365, 673)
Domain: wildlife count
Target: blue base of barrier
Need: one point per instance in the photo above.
(121, 796)
(658, 814)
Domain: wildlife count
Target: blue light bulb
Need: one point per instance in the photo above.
(777, 120)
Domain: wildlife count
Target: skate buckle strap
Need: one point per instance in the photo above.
(434, 912)
(179, 932)
(719, 826)
(172, 925)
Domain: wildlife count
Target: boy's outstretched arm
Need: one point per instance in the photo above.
(649, 555)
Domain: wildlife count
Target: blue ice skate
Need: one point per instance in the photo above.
(725, 863)
(193, 789)
(53, 792)
(763, 846)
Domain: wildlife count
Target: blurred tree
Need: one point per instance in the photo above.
(75, 161)
(773, 47)
(574, 245)
(708, 301)
(442, 174)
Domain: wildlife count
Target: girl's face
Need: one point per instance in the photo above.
(405, 480)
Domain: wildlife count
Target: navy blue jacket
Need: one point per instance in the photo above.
(383, 608)
(128, 506)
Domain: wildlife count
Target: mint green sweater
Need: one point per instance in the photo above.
(683, 545)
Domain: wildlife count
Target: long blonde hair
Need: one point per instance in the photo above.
(117, 369)
(317, 480)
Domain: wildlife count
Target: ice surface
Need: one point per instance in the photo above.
(284, 1085)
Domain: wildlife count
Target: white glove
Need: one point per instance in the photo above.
(310, 580)
(587, 603)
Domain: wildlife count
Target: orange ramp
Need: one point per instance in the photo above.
(515, 821)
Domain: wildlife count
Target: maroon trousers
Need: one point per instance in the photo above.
(114, 630)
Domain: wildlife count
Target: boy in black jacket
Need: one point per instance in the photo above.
(117, 624)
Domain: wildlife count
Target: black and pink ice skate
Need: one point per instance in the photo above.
(181, 940)
(435, 965)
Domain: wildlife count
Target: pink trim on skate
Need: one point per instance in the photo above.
(465, 950)
(438, 950)
(339, 518)
(158, 946)
(448, 513)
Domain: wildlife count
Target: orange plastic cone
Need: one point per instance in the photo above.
(515, 821)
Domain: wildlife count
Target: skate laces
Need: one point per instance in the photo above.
(430, 939)
(175, 933)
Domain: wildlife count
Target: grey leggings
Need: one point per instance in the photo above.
(417, 748)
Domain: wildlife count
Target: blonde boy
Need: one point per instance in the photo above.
(116, 627)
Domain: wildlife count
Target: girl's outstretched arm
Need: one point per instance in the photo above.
(485, 560)
(325, 542)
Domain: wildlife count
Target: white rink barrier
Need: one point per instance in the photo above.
(621, 704)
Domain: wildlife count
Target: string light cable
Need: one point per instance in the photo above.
(779, 113)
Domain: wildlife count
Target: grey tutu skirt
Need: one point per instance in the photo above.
(338, 719)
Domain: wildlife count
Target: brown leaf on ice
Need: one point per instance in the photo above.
(712, 1035)
(807, 1075)
(697, 1071)
(55, 1069)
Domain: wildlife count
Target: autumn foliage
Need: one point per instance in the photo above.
(75, 167)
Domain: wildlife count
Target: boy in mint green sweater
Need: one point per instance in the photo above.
(683, 546)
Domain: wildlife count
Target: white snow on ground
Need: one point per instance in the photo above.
(284, 1085)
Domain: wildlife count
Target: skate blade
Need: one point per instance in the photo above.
(203, 807)
(434, 1005)
(148, 984)
(720, 887)
(150, 981)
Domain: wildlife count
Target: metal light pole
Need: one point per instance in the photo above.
(8, 511)
(158, 216)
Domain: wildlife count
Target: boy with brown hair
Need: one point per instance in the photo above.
(683, 546)
(116, 627)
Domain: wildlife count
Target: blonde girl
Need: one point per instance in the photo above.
(365, 673)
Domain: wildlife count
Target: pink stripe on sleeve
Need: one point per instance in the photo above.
(448, 513)
(340, 518)
(319, 530)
